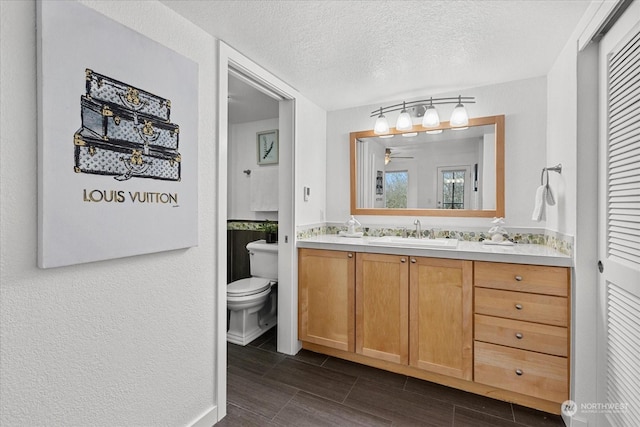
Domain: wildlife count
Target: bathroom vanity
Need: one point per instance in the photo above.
(486, 319)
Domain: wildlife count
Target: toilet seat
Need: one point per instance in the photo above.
(249, 286)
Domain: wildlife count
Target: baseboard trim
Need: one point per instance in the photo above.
(207, 419)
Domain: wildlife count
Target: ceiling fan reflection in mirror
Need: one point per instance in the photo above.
(388, 156)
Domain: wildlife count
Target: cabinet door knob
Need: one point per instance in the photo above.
(518, 306)
(350, 255)
(518, 278)
(519, 372)
(413, 260)
(518, 335)
(403, 260)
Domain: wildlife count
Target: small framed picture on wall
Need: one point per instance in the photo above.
(267, 142)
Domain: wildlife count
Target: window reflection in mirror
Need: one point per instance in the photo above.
(460, 171)
(395, 190)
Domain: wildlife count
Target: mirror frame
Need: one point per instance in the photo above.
(497, 121)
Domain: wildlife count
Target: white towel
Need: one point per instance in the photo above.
(549, 197)
(264, 190)
(538, 210)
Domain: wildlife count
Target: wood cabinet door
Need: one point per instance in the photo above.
(326, 298)
(382, 306)
(441, 313)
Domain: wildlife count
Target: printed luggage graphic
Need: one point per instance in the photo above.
(125, 132)
(109, 121)
(103, 88)
(123, 159)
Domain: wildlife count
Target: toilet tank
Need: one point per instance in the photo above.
(263, 259)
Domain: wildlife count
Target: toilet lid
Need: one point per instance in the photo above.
(252, 285)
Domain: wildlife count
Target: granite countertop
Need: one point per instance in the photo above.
(474, 251)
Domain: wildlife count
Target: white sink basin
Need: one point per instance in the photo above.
(412, 242)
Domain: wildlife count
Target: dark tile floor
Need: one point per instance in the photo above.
(266, 388)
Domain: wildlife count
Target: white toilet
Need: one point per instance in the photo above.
(253, 302)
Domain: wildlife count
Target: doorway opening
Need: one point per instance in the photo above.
(233, 63)
(252, 209)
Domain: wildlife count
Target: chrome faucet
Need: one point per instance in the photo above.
(418, 228)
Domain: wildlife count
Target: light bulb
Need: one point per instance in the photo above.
(459, 117)
(431, 118)
(381, 126)
(404, 121)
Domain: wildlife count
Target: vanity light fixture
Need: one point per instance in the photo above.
(431, 119)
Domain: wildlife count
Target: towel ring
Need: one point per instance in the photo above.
(556, 168)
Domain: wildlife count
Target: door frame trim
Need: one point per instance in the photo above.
(231, 58)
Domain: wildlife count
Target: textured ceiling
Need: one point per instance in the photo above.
(342, 54)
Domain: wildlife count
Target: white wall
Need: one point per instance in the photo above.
(572, 140)
(311, 159)
(524, 104)
(561, 139)
(242, 156)
(120, 342)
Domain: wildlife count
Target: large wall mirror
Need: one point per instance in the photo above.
(446, 172)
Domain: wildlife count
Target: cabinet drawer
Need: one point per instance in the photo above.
(521, 371)
(534, 279)
(523, 335)
(522, 306)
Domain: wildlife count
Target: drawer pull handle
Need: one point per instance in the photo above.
(350, 255)
(519, 372)
(403, 260)
(413, 260)
(519, 278)
(518, 335)
(518, 306)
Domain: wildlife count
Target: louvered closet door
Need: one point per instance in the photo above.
(619, 225)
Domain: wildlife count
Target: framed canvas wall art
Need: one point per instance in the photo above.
(117, 140)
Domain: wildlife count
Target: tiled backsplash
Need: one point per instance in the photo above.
(239, 224)
(558, 241)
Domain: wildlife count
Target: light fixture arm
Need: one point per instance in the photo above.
(432, 101)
